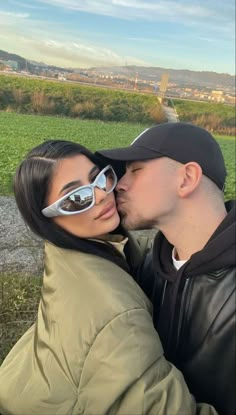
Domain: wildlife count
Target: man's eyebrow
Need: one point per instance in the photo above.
(78, 183)
(130, 163)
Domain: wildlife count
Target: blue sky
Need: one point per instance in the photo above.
(178, 34)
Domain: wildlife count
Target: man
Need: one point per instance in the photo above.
(174, 181)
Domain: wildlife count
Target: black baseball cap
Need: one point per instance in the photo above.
(179, 141)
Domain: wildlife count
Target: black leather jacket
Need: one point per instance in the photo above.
(194, 313)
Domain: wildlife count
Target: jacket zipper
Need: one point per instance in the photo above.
(163, 294)
(181, 314)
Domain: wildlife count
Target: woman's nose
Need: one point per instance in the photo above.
(100, 195)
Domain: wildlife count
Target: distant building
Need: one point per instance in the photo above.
(10, 65)
(155, 88)
(61, 77)
(230, 99)
(217, 96)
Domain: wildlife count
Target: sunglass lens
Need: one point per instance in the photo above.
(80, 200)
(106, 181)
(101, 181)
(110, 180)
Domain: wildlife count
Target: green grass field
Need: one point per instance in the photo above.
(19, 133)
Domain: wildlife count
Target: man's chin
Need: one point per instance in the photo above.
(139, 225)
(125, 222)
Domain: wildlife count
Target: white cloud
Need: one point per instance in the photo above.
(60, 43)
(207, 39)
(37, 40)
(25, 5)
(67, 54)
(135, 9)
(10, 15)
(142, 39)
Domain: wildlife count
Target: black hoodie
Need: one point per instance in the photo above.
(194, 312)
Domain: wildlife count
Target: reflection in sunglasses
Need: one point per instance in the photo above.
(82, 198)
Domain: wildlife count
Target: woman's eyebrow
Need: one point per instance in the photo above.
(93, 170)
(74, 183)
(78, 183)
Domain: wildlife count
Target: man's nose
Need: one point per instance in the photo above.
(122, 184)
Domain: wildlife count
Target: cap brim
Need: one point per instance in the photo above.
(130, 153)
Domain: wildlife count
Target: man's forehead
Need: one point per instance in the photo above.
(131, 163)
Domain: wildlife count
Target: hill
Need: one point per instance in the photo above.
(178, 76)
(29, 65)
(183, 77)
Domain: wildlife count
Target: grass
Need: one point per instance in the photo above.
(19, 133)
(19, 297)
(228, 147)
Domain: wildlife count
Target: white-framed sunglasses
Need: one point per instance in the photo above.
(82, 198)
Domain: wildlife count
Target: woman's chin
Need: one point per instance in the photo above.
(114, 222)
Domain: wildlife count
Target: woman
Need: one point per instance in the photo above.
(93, 348)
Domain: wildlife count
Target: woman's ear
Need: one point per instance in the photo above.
(190, 177)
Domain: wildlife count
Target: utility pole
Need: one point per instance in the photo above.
(127, 78)
(26, 66)
(163, 86)
(136, 82)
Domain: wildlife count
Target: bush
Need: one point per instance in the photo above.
(217, 118)
(33, 96)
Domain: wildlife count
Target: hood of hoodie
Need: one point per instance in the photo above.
(219, 252)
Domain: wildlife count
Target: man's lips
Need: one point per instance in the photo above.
(120, 201)
(107, 211)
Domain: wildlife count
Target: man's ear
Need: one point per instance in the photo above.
(190, 177)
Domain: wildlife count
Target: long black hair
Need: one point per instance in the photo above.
(31, 185)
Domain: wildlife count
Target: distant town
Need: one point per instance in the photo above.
(182, 84)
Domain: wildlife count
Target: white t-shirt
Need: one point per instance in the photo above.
(176, 262)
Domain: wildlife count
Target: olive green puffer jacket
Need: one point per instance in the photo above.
(93, 349)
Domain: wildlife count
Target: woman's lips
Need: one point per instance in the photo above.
(107, 212)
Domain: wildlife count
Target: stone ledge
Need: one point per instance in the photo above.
(21, 252)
